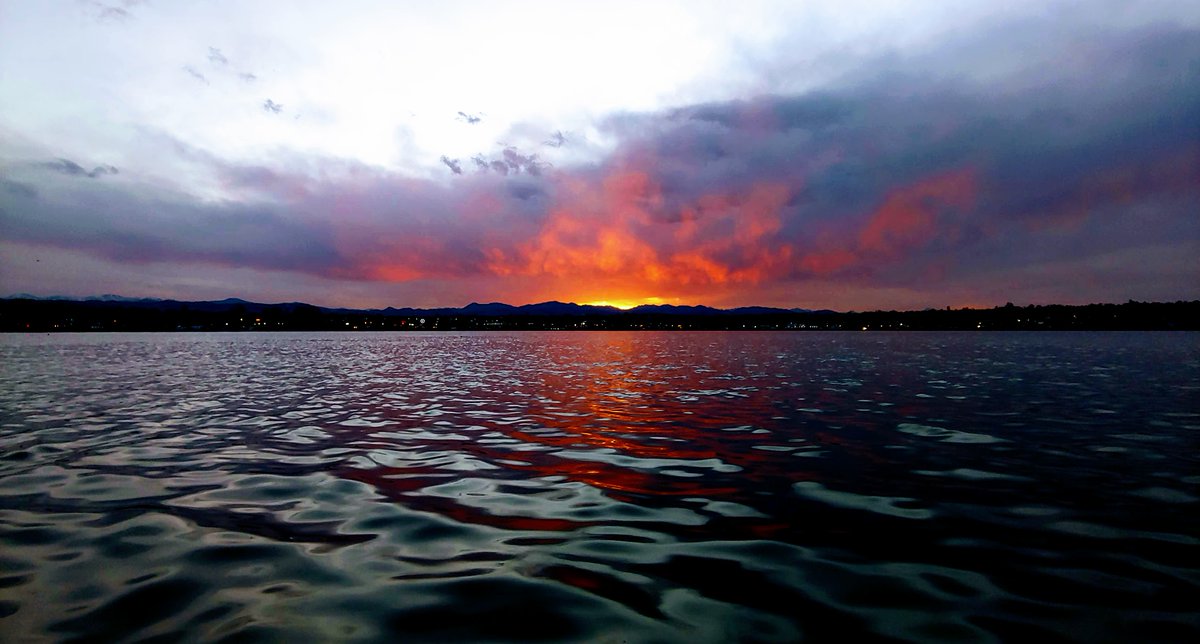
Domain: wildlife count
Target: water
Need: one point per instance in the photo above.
(600, 486)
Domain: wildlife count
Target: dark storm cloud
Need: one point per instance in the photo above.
(1026, 143)
(69, 167)
(272, 107)
(126, 227)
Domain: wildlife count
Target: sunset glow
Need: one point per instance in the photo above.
(624, 305)
(848, 156)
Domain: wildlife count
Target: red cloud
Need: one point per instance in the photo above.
(910, 218)
(620, 227)
(618, 235)
(912, 215)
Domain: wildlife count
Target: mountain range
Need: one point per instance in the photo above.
(474, 309)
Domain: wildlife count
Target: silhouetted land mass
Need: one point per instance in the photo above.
(111, 313)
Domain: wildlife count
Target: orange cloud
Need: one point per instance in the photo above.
(620, 237)
(620, 230)
(617, 237)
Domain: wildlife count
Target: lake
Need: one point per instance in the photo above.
(640, 486)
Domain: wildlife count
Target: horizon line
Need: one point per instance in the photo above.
(115, 298)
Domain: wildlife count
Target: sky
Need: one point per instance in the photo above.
(846, 155)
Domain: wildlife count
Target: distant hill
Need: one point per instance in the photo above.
(107, 297)
(24, 312)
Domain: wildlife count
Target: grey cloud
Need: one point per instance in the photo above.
(556, 140)
(19, 189)
(136, 228)
(220, 62)
(271, 106)
(511, 160)
(112, 12)
(69, 167)
(65, 166)
(529, 163)
(524, 190)
(191, 71)
(470, 118)
(807, 112)
(278, 220)
(452, 164)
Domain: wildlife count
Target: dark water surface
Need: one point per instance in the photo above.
(600, 486)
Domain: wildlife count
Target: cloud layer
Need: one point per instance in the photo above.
(1068, 174)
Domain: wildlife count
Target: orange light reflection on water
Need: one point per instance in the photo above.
(629, 417)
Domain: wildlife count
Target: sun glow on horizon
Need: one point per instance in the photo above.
(625, 305)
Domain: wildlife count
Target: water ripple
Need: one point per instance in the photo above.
(581, 486)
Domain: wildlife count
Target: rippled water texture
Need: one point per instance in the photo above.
(600, 486)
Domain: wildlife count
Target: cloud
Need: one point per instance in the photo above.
(216, 57)
(272, 107)
(511, 160)
(69, 167)
(517, 162)
(111, 12)
(910, 182)
(453, 164)
(469, 118)
(221, 66)
(19, 189)
(137, 228)
(556, 140)
(191, 71)
(525, 190)
(348, 222)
